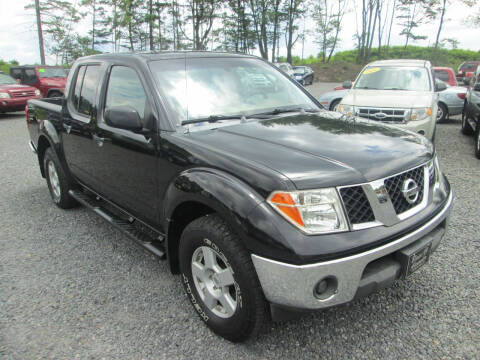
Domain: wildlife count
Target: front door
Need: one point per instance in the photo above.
(125, 161)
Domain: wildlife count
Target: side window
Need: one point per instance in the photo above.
(16, 73)
(30, 76)
(442, 75)
(125, 89)
(86, 102)
(78, 86)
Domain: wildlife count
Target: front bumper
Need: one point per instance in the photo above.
(15, 104)
(425, 127)
(293, 285)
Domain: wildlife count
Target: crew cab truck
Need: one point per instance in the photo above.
(265, 204)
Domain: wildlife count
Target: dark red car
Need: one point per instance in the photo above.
(50, 80)
(13, 96)
(446, 74)
(466, 71)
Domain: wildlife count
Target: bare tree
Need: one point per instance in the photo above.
(294, 10)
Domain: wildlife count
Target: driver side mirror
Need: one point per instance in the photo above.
(123, 117)
(347, 84)
(440, 86)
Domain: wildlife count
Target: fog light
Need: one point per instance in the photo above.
(325, 288)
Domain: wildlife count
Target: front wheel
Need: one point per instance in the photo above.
(220, 280)
(334, 105)
(442, 113)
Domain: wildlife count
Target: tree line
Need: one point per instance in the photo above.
(244, 26)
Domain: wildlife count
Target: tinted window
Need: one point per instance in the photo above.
(125, 89)
(89, 90)
(30, 76)
(442, 75)
(16, 73)
(78, 86)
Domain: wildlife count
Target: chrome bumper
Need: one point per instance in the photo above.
(293, 285)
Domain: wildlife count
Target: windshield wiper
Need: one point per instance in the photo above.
(367, 88)
(287, 110)
(214, 118)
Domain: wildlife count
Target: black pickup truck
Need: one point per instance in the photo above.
(264, 203)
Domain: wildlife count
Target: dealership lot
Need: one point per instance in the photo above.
(71, 286)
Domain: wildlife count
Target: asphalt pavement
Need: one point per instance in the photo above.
(73, 287)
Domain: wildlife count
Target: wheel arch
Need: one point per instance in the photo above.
(199, 192)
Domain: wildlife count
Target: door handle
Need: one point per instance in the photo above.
(99, 140)
(68, 128)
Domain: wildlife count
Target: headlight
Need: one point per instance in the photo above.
(346, 109)
(4, 95)
(420, 113)
(312, 211)
(37, 92)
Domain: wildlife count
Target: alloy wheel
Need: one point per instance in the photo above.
(54, 181)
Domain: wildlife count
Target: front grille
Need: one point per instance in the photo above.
(356, 203)
(20, 94)
(381, 114)
(394, 188)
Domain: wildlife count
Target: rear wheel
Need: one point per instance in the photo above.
(57, 181)
(477, 140)
(442, 113)
(220, 280)
(466, 127)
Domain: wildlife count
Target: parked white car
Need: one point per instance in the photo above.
(400, 92)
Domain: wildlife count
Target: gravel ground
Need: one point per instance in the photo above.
(71, 286)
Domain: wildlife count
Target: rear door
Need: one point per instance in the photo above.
(126, 162)
(79, 123)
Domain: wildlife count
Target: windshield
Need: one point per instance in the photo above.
(299, 70)
(394, 78)
(196, 88)
(52, 72)
(468, 67)
(6, 80)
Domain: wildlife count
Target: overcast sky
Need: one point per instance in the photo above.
(18, 38)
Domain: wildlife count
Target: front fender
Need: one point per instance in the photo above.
(228, 196)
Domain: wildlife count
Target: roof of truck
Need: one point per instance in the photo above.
(169, 54)
(402, 62)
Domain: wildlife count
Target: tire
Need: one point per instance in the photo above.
(466, 128)
(442, 113)
(55, 94)
(477, 140)
(209, 237)
(57, 181)
(334, 104)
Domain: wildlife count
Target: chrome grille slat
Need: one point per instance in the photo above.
(388, 114)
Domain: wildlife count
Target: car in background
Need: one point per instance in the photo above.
(400, 92)
(471, 115)
(450, 100)
(13, 96)
(286, 68)
(446, 74)
(466, 71)
(50, 80)
(303, 74)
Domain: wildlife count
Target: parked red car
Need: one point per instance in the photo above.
(50, 80)
(13, 96)
(446, 74)
(466, 71)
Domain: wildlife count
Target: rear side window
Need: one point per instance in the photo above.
(88, 90)
(16, 73)
(30, 76)
(78, 86)
(442, 75)
(126, 89)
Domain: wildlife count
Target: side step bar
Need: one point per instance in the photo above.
(152, 245)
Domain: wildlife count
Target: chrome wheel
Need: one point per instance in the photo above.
(478, 141)
(439, 113)
(54, 182)
(213, 278)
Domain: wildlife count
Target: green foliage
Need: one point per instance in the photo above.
(439, 57)
(5, 66)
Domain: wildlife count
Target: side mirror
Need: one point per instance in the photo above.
(440, 86)
(123, 117)
(347, 84)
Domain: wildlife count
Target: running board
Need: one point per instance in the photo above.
(152, 245)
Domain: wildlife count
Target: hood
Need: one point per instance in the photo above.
(319, 150)
(13, 87)
(388, 98)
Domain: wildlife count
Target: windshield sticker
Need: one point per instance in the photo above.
(41, 70)
(371, 71)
